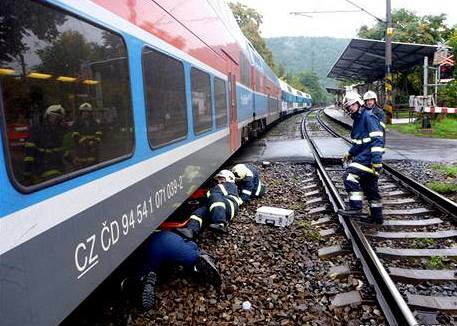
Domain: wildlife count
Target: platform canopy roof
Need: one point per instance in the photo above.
(334, 90)
(364, 60)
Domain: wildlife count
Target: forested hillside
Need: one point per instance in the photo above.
(299, 54)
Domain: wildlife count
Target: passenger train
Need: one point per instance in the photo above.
(112, 114)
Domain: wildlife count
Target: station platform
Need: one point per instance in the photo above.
(409, 147)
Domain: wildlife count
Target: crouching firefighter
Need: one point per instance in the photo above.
(163, 251)
(361, 175)
(248, 179)
(222, 205)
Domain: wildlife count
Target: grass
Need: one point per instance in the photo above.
(423, 243)
(310, 233)
(435, 262)
(449, 170)
(442, 187)
(445, 128)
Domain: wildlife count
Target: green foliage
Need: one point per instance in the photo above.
(309, 232)
(249, 21)
(423, 243)
(442, 187)
(449, 170)
(445, 128)
(310, 82)
(411, 28)
(435, 262)
(298, 54)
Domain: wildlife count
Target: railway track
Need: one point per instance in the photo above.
(410, 259)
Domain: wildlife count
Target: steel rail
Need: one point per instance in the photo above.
(442, 203)
(390, 300)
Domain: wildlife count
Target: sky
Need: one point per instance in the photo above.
(278, 22)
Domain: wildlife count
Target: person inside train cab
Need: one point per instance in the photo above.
(247, 178)
(164, 251)
(87, 135)
(220, 208)
(371, 103)
(365, 157)
(44, 150)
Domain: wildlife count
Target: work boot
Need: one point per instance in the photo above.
(208, 269)
(218, 227)
(372, 220)
(186, 233)
(148, 295)
(350, 212)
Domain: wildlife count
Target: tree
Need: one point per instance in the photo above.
(19, 22)
(308, 81)
(249, 21)
(410, 28)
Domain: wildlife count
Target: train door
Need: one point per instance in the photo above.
(233, 119)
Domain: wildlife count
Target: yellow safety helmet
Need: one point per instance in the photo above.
(55, 110)
(370, 95)
(86, 107)
(240, 171)
(351, 98)
(229, 177)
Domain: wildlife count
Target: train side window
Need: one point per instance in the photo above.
(201, 101)
(65, 94)
(220, 98)
(165, 97)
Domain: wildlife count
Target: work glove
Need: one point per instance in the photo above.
(377, 168)
(347, 157)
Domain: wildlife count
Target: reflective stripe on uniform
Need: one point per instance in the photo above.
(217, 204)
(249, 172)
(237, 199)
(29, 145)
(361, 141)
(376, 134)
(382, 124)
(356, 195)
(197, 218)
(352, 177)
(29, 159)
(259, 187)
(224, 191)
(378, 149)
(361, 167)
(377, 165)
(375, 203)
(247, 192)
(232, 209)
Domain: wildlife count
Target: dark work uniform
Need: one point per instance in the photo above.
(44, 153)
(86, 136)
(222, 205)
(251, 186)
(367, 150)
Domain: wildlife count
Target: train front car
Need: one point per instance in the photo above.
(112, 114)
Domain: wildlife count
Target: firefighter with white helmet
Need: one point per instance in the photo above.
(86, 136)
(248, 179)
(371, 103)
(361, 175)
(221, 206)
(44, 150)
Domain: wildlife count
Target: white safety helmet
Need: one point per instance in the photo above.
(370, 95)
(229, 177)
(240, 171)
(55, 110)
(351, 98)
(85, 107)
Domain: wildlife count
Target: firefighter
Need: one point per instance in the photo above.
(86, 136)
(220, 208)
(44, 150)
(248, 179)
(361, 175)
(371, 103)
(165, 250)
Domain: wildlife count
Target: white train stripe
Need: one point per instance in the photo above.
(31, 221)
(91, 9)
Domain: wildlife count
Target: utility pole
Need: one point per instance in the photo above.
(388, 81)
